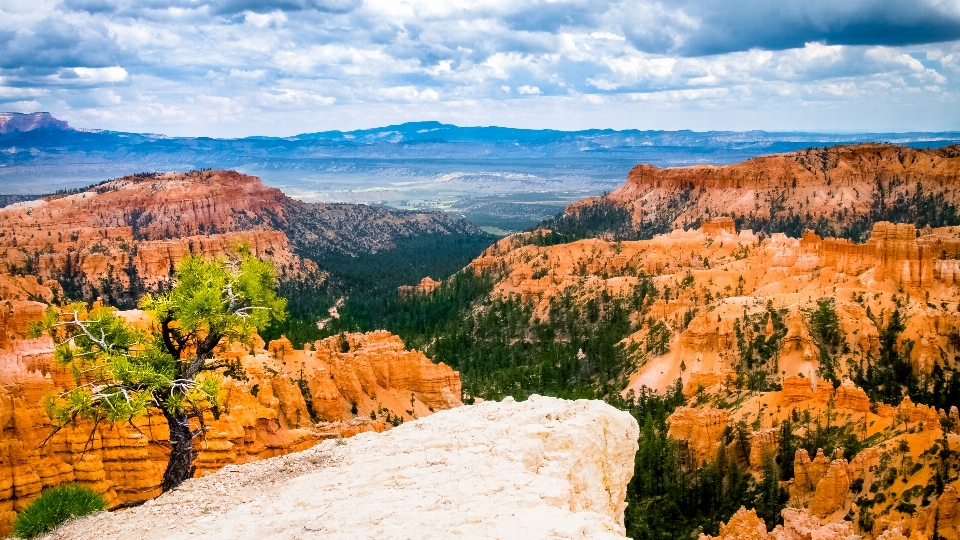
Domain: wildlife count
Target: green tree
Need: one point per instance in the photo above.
(824, 326)
(769, 497)
(122, 372)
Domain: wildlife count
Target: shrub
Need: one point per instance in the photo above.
(55, 506)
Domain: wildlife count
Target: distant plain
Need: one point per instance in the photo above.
(501, 179)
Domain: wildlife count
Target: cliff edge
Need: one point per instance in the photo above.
(542, 468)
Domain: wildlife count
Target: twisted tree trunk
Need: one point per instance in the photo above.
(180, 467)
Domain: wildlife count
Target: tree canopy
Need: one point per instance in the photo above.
(122, 371)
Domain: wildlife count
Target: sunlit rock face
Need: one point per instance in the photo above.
(125, 237)
(350, 384)
(542, 468)
(838, 184)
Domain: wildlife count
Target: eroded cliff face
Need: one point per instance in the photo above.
(713, 281)
(888, 489)
(125, 237)
(285, 401)
(731, 300)
(833, 188)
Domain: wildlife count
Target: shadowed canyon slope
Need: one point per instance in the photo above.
(837, 191)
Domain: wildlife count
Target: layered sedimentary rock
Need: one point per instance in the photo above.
(124, 237)
(836, 186)
(833, 489)
(720, 292)
(542, 468)
(700, 429)
(718, 281)
(287, 400)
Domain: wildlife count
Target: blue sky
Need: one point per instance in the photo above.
(280, 67)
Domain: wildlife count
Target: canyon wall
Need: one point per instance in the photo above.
(286, 400)
(122, 238)
(735, 305)
(837, 188)
(718, 279)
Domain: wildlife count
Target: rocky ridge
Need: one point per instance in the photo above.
(542, 468)
(124, 237)
(839, 191)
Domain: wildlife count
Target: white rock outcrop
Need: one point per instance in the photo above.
(541, 468)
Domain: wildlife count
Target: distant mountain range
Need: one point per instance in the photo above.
(38, 151)
(504, 179)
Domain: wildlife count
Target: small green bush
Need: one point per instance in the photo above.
(55, 506)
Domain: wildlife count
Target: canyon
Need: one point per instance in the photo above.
(124, 237)
(113, 242)
(738, 336)
(822, 335)
(719, 278)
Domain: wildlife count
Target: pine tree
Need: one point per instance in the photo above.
(123, 372)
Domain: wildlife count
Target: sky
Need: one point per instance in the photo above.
(230, 68)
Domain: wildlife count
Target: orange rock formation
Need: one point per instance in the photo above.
(426, 286)
(290, 400)
(130, 233)
(700, 429)
(797, 525)
(725, 278)
(838, 183)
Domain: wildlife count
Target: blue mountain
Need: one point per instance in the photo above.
(41, 153)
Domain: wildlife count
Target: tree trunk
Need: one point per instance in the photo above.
(180, 467)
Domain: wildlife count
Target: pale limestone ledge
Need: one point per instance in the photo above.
(542, 468)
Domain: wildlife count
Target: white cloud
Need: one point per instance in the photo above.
(602, 84)
(408, 93)
(276, 18)
(297, 97)
(467, 59)
(90, 76)
(251, 75)
(607, 35)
